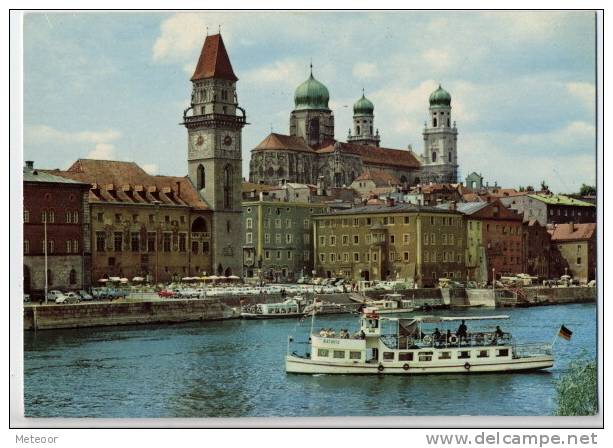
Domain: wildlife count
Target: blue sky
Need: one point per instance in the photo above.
(114, 85)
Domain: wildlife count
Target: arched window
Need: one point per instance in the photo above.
(49, 277)
(433, 156)
(450, 156)
(434, 122)
(199, 225)
(371, 130)
(227, 187)
(72, 278)
(200, 178)
(448, 122)
(403, 179)
(357, 129)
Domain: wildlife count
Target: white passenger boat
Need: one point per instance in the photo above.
(292, 307)
(407, 346)
(320, 307)
(391, 304)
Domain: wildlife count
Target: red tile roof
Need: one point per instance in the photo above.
(573, 232)
(376, 155)
(126, 182)
(283, 142)
(380, 178)
(214, 61)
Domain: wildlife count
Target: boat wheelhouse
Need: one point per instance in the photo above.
(418, 345)
(292, 307)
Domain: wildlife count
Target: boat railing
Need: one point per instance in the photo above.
(531, 349)
(477, 339)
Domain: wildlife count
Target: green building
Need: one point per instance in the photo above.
(277, 239)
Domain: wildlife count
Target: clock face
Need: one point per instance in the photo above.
(199, 140)
(227, 140)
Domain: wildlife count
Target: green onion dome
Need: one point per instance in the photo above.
(311, 94)
(440, 97)
(363, 106)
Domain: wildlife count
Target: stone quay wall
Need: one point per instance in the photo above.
(41, 317)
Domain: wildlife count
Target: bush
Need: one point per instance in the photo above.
(578, 390)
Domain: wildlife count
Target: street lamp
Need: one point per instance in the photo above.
(493, 279)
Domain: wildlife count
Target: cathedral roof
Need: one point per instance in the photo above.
(440, 97)
(311, 94)
(375, 155)
(214, 61)
(115, 181)
(363, 106)
(283, 143)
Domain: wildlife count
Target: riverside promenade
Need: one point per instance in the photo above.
(150, 309)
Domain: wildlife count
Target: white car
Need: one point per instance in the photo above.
(56, 295)
(72, 297)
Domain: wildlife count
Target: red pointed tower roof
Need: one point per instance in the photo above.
(214, 61)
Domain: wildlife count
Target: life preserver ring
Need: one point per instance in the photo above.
(405, 366)
(453, 339)
(467, 366)
(380, 368)
(427, 339)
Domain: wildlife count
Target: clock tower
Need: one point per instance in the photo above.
(214, 122)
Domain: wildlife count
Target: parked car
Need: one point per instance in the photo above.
(72, 297)
(56, 294)
(166, 293)
(85, 295)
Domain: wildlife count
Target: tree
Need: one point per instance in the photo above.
(544, 186)
(577, 390)
(587, 190)
(522, 188)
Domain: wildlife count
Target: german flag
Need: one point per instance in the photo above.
(565, 333)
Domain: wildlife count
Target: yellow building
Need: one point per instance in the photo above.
(391, 242)
(156, 227)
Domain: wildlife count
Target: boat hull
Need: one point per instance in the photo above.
(296, 364)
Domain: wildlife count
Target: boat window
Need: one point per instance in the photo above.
(355, 355)
(483, 354)
(503, 352)
(425, 356)
(444, 355)
(405, 356)
(388, 356)
(339, 353)
(322, 352)
(463, 355)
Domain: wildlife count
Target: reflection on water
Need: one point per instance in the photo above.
(235, 368)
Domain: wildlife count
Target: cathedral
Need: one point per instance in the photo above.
(310, 151)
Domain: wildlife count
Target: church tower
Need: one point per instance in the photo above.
(311, 118)
(440, 141)
(214, 151)
(363, 123)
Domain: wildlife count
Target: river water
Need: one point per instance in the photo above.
(236, 368)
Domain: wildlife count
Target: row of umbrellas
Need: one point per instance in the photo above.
(185, 279)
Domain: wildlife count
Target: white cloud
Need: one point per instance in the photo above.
(288, 71)
(575, 135)
(365, 70)
(150, 168)
(584, 92)
(103, 151)
(181, 35)
(40, 134)
(438, 59)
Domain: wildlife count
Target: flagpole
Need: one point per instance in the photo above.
(555, 338)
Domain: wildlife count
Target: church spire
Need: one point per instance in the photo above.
(214, 61)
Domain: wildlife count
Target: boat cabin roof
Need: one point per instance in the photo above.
(435, 319)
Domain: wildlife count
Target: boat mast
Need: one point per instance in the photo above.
(312, 317)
